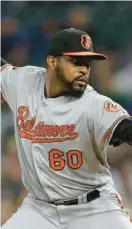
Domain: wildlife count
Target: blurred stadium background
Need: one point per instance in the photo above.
(26, 28)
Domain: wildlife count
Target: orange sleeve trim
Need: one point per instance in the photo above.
(110, 130)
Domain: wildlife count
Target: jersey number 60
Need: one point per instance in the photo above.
(73, 159)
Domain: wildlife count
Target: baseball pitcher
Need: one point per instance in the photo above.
(62, 129)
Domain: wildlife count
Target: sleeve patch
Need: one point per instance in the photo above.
(112, 106)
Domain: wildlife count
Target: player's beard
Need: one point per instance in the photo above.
(68, 86)
(75, 92)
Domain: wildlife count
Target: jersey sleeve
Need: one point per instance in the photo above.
(18, 81)
(107, 116)
(9, 80)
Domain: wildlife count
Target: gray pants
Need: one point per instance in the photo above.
(35, 214)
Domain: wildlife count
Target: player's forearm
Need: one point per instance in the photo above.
(122, 133)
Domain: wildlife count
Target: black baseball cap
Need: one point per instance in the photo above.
(73, 42)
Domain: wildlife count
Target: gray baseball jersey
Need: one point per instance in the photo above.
(61, 141)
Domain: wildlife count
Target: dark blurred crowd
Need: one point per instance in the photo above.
(26, 28)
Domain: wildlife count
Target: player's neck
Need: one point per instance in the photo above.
(53, 87)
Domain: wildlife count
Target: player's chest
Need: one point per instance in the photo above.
(50, 121)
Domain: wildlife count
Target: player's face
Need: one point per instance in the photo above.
(73, 72)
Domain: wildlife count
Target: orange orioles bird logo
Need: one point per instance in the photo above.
(112, 106)
(86, 42)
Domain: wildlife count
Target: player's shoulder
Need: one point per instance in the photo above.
(24, 71)
(35, 69)
(90, 92)
(29, 77)
(99, 100)
(32, 75)
(91, 95)
(29, 70)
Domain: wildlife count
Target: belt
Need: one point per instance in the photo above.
(89, 197)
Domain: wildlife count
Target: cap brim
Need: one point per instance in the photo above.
(92, 55)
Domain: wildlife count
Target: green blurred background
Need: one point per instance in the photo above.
(26, 28)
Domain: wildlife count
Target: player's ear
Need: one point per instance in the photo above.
(51, 62)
